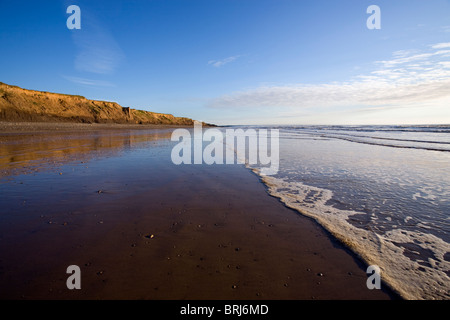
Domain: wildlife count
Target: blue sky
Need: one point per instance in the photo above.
(239, 61)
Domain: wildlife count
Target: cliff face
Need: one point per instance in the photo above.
(17, 104)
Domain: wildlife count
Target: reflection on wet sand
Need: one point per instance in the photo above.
(24, 153)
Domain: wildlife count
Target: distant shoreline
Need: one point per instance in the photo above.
(23, 127)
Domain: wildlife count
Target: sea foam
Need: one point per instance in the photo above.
(412, 263)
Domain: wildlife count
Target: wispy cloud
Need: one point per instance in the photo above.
(441, 45)
(408, 78)
(89, 82)
(98, 52)
(220, 63)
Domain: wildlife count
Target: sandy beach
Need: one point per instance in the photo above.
(67, 127)
(140, 227)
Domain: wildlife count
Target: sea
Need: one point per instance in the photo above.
(383, 191)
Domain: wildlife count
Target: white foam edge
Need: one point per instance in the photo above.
(398, 271)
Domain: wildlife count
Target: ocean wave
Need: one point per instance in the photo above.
(430, 145)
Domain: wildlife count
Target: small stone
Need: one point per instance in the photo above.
(133, 245)
(286, 285)
(237, 249)
(100, 272)
(234, 286)
(320, 274)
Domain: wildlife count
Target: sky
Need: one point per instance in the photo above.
(232, 62)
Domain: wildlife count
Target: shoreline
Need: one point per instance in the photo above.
(33, 127)
(334, 237)
(175, 233)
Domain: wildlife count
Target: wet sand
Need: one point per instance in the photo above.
(64, 127)
(144, 228)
